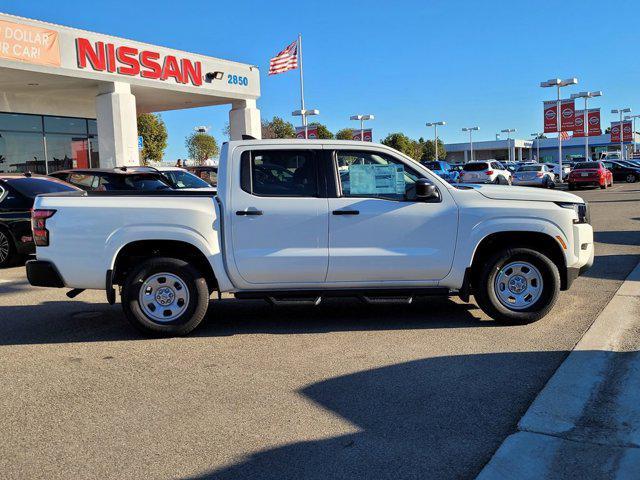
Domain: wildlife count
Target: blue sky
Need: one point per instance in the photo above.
(407, 62)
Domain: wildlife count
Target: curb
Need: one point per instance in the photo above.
(585, 423)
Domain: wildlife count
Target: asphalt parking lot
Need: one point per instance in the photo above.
(344, 390)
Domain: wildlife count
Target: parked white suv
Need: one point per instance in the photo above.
(297, 221)
(490, 171)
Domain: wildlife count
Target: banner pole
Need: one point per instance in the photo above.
(304, 116)
(559, 122)
(585, 127)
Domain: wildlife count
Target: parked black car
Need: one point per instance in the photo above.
(104, 179)
(17, 193)
(623, 172)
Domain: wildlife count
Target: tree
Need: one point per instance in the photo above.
(429, 152)
(323, 131)
(201, 146)
(607, 131)
(154, 137)
(400, 142)
(278, 128)
(345, 134)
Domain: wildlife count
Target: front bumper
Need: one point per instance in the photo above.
(43, 274)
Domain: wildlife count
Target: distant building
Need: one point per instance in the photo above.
(527, 149)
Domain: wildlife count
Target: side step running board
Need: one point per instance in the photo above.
(378, 300)
(312, 301)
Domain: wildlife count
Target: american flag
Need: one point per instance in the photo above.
(564, 135)
(286, 60)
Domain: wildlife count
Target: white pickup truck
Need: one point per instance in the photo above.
(297, 221)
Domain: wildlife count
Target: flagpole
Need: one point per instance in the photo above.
(304, 117)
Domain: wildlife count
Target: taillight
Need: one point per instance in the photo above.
(539, 174)
(39, 226)
(489, 172)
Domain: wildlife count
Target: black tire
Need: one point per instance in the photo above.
(631, 178)
(484, 289)
(191, 315)
(572, 186)
(603, 186)
(8, 253)
(502, 181)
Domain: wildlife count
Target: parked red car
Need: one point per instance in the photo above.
(590, 173)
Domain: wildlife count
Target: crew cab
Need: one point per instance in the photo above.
(295, 221)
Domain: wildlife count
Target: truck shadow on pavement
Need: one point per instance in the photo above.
(77, 321)
(433, 418)
(618, 237)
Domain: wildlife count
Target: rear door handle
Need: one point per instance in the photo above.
(346, 212)
(248, 212)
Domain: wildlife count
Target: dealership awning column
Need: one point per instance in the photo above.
(244, 119)
(117, 125)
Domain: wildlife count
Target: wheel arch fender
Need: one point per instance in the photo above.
(166, 237)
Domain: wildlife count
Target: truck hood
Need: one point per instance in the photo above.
(506, 192)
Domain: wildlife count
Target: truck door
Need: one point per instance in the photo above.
(280, 217)
(379, 231)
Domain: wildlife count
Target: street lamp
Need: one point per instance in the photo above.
(362, 118)
(304, 113)
(509, 131)
(435, 127)
(586, 96)
(621, 111)
(470, 129)
(536, 137)
(556, 82)
(633, 133)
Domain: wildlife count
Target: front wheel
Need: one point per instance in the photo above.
(165, 296)
(631, 178)
(517, 286)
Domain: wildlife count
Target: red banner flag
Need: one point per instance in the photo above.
(593, 122)
(568, 114)
(312, 132)
(550, 117)
(367, 135)
(627, 129)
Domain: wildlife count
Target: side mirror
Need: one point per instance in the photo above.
(425, 190)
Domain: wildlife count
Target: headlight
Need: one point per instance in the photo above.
(581, 209)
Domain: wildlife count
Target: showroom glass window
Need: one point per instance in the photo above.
(44, 144)
(21, 143)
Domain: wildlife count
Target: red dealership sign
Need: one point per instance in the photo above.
(367, 135)
(593, 120)
(567, 114)
(627, 129)
(133, 62)
(312, 132)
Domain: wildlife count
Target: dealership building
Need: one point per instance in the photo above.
(69, 98)
(522, 150)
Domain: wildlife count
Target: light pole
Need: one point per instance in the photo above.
(586, 96)
(556, 82)
(435, 126)
(633, 132)
(509, 131)
(621, 111)
(470, 129)
(304, 113)
(497, 137)
(536, 137)
(362, 118)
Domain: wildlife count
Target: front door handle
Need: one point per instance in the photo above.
(248, 212)
(346, 212)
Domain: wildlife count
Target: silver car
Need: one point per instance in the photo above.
(534, 176)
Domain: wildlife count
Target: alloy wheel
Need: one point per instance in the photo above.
(4, 248)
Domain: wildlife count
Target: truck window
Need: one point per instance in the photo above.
(279, 173)
(374, 174)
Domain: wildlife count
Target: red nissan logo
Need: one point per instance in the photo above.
(550, 114)
(567, 112)
(593, 120)
(578, 121)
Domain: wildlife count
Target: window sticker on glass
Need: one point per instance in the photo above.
(376, 179)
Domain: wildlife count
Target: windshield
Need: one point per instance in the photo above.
(530, 168)
(475, 167)
(582, 165)
(182, 179)
(33, 186)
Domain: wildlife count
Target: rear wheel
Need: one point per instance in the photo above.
(517, 286)
(572, 186)
(165, 296)
(7, 250)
